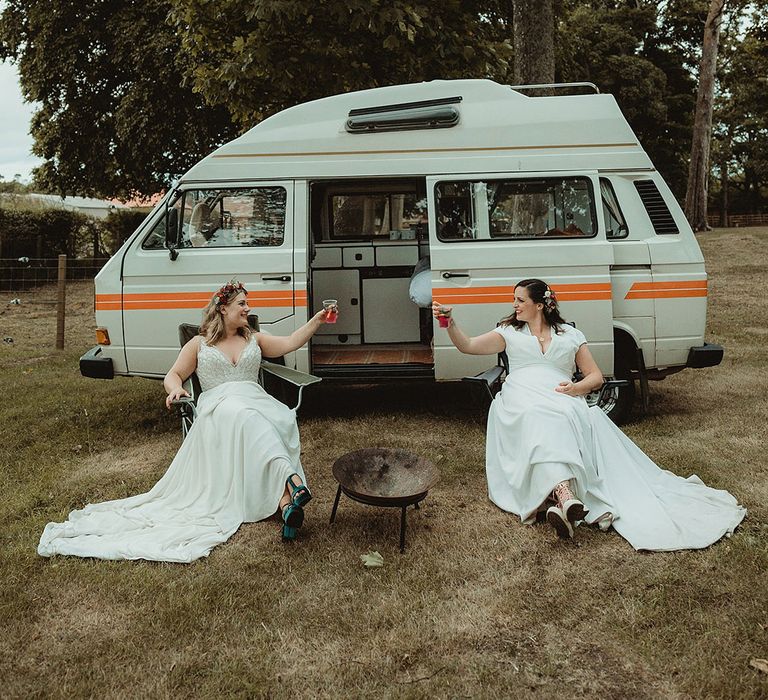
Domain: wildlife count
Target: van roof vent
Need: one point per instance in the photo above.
(657, 208)
(427, 114)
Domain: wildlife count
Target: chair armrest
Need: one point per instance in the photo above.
(293, 376)
(488, 379)
(186, 406)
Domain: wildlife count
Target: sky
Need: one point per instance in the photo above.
(15, 141)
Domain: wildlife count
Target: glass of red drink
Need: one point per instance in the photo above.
(443, 317)
(331, 307)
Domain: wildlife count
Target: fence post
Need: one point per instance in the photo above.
(60, 302)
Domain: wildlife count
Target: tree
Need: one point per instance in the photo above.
(699, 169)
(534, 31)
(260, 57)
(115, 117)
(740, 124)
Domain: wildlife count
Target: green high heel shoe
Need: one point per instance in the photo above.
(293, 515)
(300, 495)
(289, 533)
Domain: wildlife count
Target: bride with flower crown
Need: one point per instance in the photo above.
(545, 445)
(238, 463)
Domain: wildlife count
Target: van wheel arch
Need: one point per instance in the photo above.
(617, 403)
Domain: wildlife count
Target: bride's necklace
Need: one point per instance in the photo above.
(541, 338)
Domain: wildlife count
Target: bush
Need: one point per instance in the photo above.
(118, 226)
(44, 233)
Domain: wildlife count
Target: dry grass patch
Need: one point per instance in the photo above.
(478, 606)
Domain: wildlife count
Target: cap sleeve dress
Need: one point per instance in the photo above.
(537, 437)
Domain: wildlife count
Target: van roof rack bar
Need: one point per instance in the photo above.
(555, 86)
(405, 105)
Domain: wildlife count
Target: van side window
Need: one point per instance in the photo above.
(615, 223)
(233, 218)
(365, 216)
(516, 209)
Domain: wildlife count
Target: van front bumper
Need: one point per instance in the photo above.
(92, 364)
(707, 355)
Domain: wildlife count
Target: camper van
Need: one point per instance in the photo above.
(475, 182)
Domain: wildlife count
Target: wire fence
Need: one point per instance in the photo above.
(36, 282)
(23, 274)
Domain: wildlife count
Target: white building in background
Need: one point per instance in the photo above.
(90, 206)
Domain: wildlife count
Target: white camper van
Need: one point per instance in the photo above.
(343, 197)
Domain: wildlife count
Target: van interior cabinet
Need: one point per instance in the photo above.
(389, 316)
(344, 286)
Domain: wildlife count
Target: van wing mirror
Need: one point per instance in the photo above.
(172, 232)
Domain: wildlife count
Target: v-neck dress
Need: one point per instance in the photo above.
(231, 468)
(537, 437)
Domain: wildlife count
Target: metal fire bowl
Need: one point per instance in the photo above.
(386, 477)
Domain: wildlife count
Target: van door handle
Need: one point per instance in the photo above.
(448, 275)
(282, 278)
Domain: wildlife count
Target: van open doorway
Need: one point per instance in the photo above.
(369, 240)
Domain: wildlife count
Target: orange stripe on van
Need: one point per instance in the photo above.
(193, 300)
(593, 291)
(672, 289)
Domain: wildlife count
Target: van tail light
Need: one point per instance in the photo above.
(102, 336)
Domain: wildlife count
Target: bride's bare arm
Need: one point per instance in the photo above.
(279, 345)
(185, 364)
(592, 379)
(487, 344)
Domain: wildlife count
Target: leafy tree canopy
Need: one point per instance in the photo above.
(258, 57)
(115, 118)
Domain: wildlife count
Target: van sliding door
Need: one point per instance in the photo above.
(489, 231)
(238, 231)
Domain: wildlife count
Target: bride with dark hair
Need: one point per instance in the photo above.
(544, 444)
(240, 461)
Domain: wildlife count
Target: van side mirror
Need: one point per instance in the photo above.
(171, 232)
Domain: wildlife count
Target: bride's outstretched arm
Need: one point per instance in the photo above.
(279, 345)
(487, 344)
(185, 364)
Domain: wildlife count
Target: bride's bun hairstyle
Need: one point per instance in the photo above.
(540, 293)
(212, 327)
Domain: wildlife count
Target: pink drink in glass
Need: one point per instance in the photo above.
(331, 310)
(443, 319)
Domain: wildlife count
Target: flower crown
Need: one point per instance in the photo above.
(230, 289)
(550, 300)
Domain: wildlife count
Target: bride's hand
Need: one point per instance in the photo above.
(174, 395)
(567, 388)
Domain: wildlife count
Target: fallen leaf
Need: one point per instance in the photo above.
(759, 664)
(372, 559)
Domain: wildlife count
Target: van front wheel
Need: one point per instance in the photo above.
(616, 402)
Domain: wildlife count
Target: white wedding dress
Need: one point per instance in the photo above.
(538, 437)
(231, 468)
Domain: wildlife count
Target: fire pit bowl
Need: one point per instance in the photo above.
(390, 478)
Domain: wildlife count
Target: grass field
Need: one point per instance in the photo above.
(478, 606)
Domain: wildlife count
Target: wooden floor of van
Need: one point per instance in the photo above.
(410, 353)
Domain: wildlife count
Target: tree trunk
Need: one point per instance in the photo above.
(698, 168)
(533, 27)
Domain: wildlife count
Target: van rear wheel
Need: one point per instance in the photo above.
(616, 402)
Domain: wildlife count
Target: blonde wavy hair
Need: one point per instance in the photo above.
(212, 328)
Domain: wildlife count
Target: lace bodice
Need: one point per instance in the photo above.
(214, 367)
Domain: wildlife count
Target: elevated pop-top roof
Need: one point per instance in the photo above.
(498, 130)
